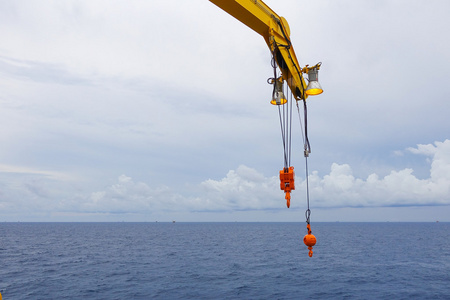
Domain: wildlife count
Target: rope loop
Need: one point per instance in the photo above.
(307, 215)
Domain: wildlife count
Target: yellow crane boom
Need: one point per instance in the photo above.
(275, 31)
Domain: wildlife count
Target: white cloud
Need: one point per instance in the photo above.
(247, 189)
(28, 170)
(428, 150)
(243, 189)
(340, 188)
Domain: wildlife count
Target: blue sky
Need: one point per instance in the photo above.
(159, 111)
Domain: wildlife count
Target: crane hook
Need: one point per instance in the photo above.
(288, 199)
(287, 183)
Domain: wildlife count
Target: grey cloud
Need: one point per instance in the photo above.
(39, 72)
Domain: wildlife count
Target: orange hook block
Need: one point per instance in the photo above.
(287, 183)
(309, 240)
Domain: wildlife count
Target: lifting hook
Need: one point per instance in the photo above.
(287, 183)
(288, 199)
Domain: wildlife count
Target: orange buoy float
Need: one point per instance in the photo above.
(309, 240)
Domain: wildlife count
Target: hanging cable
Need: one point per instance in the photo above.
(309, 239)
(282, 123)
(290, 124)
(281, 114)
(287, 175)
(307, 150)
(308, 211)
(307, 146)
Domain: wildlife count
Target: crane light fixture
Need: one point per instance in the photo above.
(278, 96)
(313, 87)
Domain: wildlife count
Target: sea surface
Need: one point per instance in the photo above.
(224, 261)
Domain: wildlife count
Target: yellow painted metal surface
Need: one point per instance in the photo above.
(275, 31)
(254, 14)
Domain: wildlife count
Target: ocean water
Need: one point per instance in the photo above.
(224, 261)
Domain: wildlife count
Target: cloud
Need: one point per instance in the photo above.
(399, 188)
(37, 71)
(241, 189)
(27, 170)
(245, 189)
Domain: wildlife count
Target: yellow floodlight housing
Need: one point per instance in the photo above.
(313, 87)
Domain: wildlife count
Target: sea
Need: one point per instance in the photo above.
(224, 261)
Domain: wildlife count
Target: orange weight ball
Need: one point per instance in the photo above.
(309, 240)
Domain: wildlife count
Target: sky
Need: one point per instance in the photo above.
(159, 110)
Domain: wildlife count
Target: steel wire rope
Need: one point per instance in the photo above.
(282, 134)
(286, 132)
(307, 150)
(282, 115)
(307, 146)
(300, 121)
(308, 211)
(290, 124)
